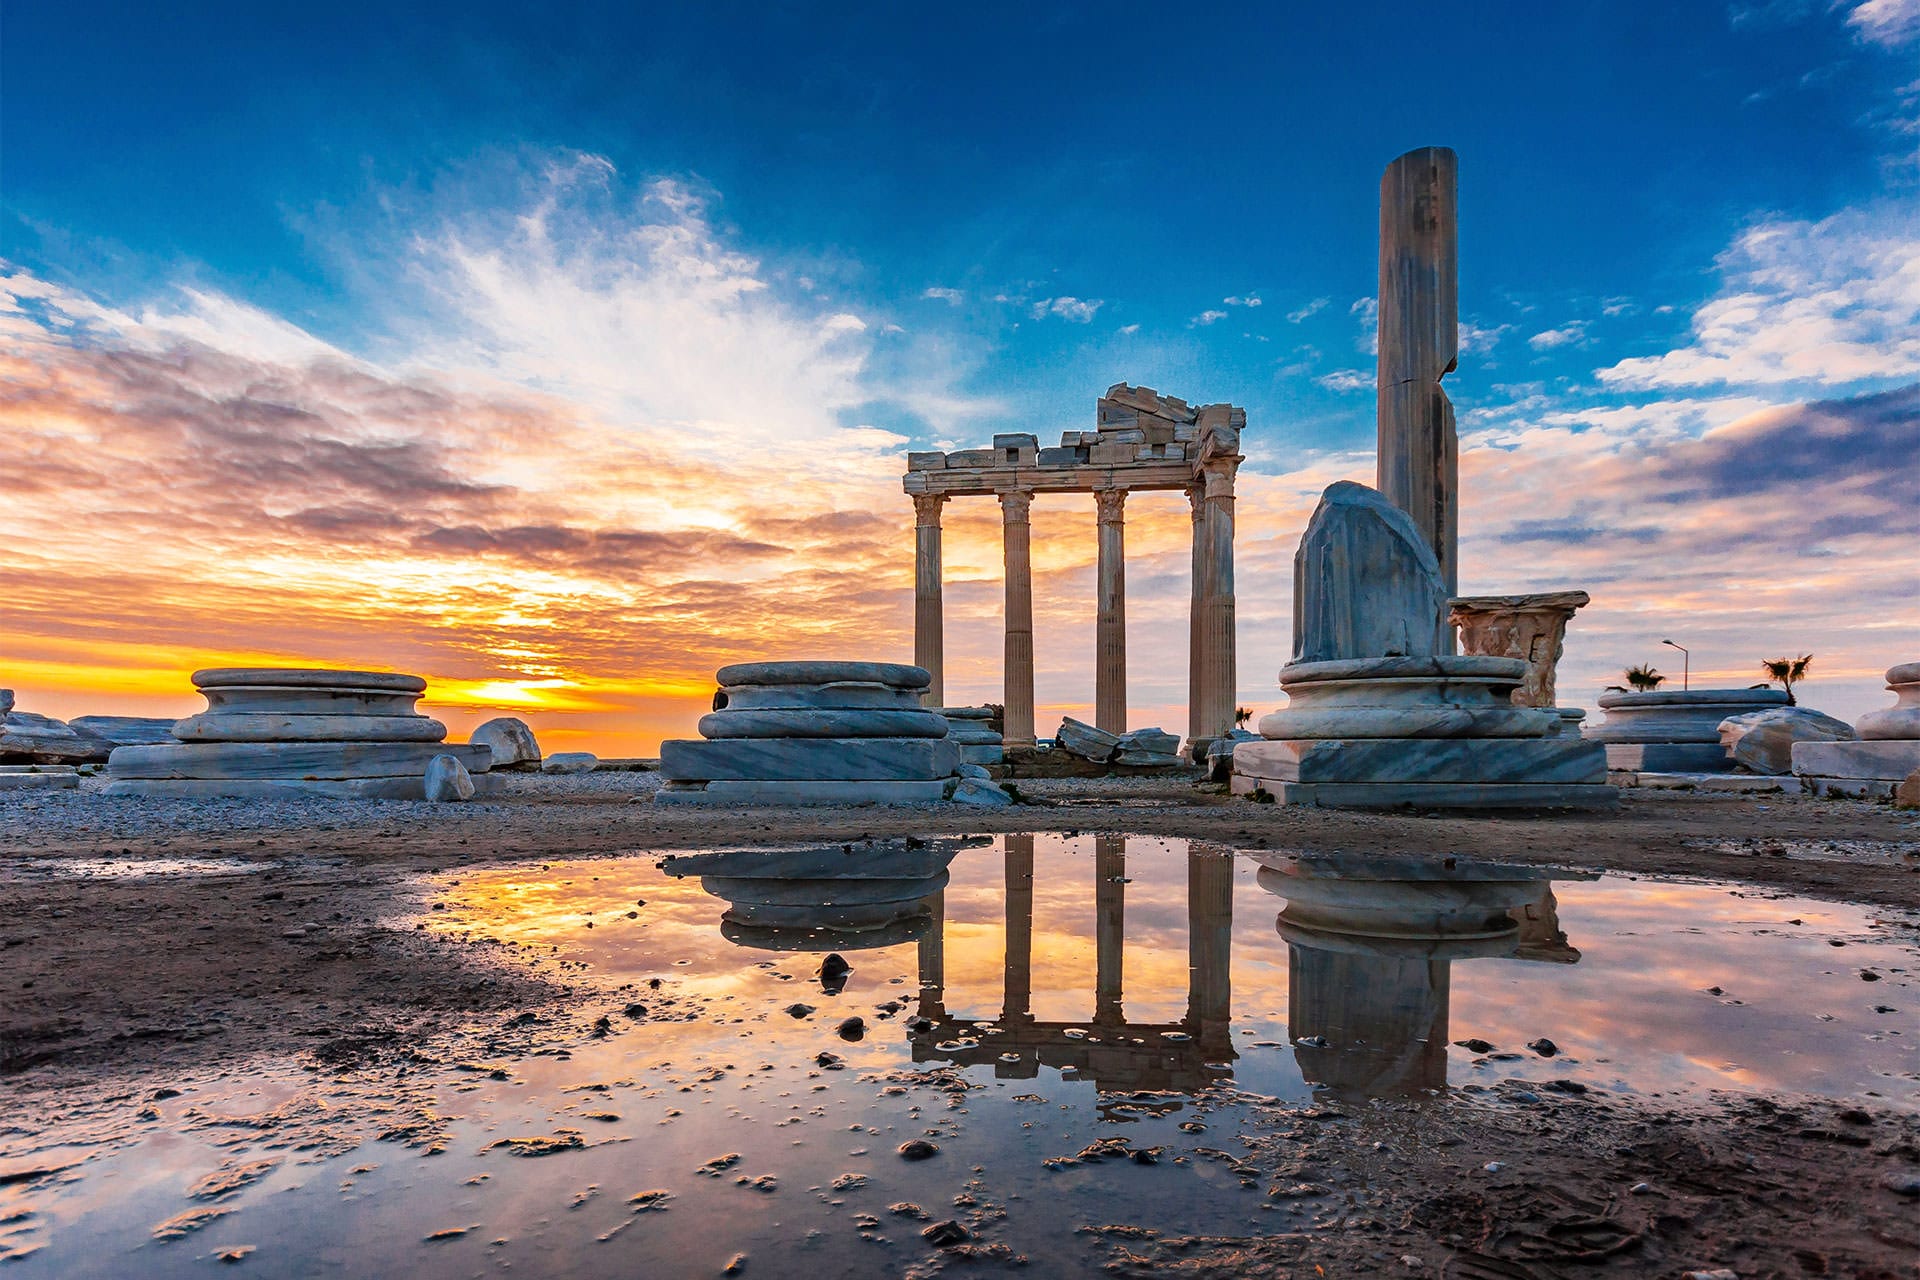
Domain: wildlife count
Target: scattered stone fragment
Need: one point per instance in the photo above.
(570, 762)
(182, 1225)
(831, 1061)
(233, 1253)
(735, 1265)
(944, 1233)
(650, 1200)
(1903, 1182)
(448, 1233)
(918, 1149)
(636, 1011)
(511, 741)
(908, 1209)
(852, 1028)
(447, 781)
(1544, 1047)
(543, 1145)
(1475, 1046)
(798, 1010)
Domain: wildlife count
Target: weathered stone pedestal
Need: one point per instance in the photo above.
(1371, 942)
(814, 733)
(823, 897)
(279, 731)
(1886, 754)
(1673, 730)
(1380, 715)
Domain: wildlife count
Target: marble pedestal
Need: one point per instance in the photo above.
(290, 731)
(1673, 730)
(1885, 755)
(814, 733)
(1427, 732)
(822, 898)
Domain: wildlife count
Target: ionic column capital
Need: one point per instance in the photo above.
(1111, 504)
(1015, 504)
(926, 509)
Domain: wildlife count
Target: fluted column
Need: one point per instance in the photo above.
(1016, 1001)
(1196, 652)
(1110, 928)
(1418, 446)
(1220, 669)
(1015, 506)
(1110, 632)
(1210, 951)
(933, 960)
(929, 619)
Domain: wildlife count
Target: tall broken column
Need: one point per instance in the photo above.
(1419, 453)
(1017, 719)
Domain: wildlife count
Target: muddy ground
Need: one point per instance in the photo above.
(108, 985)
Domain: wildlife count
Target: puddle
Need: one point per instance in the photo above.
(1079, 1026)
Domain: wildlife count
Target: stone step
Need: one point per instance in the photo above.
(297, 761)
(795, 723)
(809, 759)
(226, 727)
(1425, 760)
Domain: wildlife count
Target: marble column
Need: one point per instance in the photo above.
(1219, 668)
(1016, 1001)
(1110, 632)
(1210, 951)
(1015, 506)
(933, 960)
(1110, 928)
(929, 620)
(1418, 448)
(1196, 652)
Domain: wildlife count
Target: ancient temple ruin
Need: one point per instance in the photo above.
(1143, 440)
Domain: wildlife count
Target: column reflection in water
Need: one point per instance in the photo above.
(1115, 1054)
(1371, 943)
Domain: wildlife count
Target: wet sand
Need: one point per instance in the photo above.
(303, 943)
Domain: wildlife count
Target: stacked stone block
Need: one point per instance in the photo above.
(273, 730)
(814, 733)
(971, 729)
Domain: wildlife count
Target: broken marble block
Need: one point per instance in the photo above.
(511, 741)
(271, 731)
(39, 777)
(1674, 730)
(1149, 749)
(1886, 755)
(1381, 715)
(814, 733)
(1763, 741)
(971, 729)
(26, 738)
(126, 731)
(1078, 738)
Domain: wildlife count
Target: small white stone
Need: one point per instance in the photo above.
(570, 762)
(448, 780)
(984, 794)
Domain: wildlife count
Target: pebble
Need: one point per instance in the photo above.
(852, 1028)
(1493, 1166)
(1718, 1273)
(1475, 1046)
(918, 1149)
(1544, 1047)
(1903, 1182)
(798, 1010)
(1640, 1189)
(942, 1234)
(635, 1011)
(735, 1265)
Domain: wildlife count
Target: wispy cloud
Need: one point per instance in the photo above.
(1206, 318)
(1344, 380)
(1076, 310)
(1571, 334)
(1306, 310)
(1827, 303)
(1250, 300)
(953, 297)
(1886, 22)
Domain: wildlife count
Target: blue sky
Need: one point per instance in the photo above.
(941, 225)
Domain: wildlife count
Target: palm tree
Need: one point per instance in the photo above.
(1644, 678)
(1241, 715)
(1785, 671)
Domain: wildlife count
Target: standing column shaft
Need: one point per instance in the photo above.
(1110, 928)
(1220, 672)
(1210, 950)
(1196, 649)
(1016, 1001)
(1015, 506)
(1110, 632)
(929, 620)
(933, 960)
(1419, 463)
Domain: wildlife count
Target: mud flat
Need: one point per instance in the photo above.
(246, 1027)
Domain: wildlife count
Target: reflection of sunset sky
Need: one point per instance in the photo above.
(1632, 1014)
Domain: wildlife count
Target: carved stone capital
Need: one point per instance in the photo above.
(1015, 504)
(926, 509)
(1111, 504)
(1218, 474)
(1197, 501)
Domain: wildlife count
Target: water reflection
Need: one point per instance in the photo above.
(1371, 943)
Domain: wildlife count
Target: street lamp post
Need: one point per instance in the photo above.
(1686, 662)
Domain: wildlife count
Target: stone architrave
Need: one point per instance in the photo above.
(1365, 584)
(1419, 465)
(1532, 628)
(1110, 631)
(929, 616)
